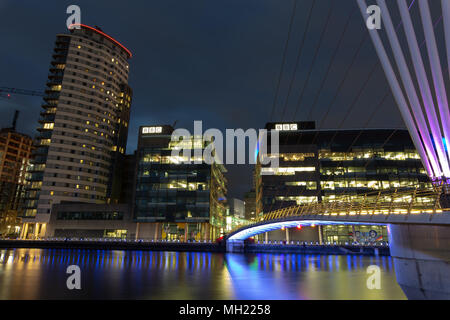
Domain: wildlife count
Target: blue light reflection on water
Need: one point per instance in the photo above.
(41, 274)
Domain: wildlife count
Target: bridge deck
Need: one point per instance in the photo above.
(418, 206)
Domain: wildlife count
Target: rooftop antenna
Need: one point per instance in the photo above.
(16, 115)
(174, 124)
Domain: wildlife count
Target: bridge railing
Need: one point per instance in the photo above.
(398, 202)
(384, 202)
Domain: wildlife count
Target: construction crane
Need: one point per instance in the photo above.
(6, 92)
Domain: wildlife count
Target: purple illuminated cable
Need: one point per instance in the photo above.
(429, 164)
(424, 86)
(410, 91)
(436, 70)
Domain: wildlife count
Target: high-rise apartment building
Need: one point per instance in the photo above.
(83, 126)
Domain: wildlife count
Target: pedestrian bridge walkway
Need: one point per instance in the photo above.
(414, 206)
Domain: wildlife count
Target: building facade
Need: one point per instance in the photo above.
(83, 125)
(174, 199)
(237, 207)
(85, 220)
(92, 220)
(250, 205)
(321, 165)
(15, 156)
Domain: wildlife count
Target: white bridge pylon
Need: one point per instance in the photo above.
(426, 116)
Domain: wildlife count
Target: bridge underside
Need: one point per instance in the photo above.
(254, 230)
(327, 219)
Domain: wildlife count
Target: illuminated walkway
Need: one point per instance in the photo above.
(418, 206)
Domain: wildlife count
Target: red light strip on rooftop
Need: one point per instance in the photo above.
(103, 34)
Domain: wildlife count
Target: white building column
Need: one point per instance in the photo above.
(319, 229)
(137, 230)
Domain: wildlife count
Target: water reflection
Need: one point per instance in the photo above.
(41, 274)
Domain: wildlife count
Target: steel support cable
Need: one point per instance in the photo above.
(361, 43)
(399, 97)
(349, 111)
(316, 53)
(385, 96)
(283, 60)
(437, 75)
(333, 57)
(341, 84)
(369, 119)
(299, 54)
(382, 101)
(366, 81)
(370, 74)
(314, 58)
(312, 63)
(445, 4)
(411, 93)
(377, 107)
(382, 146)
(348, 71)
(355, 100)
(425, 89)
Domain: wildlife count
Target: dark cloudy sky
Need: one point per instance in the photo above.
(210, 60)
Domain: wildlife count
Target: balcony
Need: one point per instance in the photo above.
(51, 95)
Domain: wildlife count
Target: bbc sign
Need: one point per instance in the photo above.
(151, 130)
(286, 127)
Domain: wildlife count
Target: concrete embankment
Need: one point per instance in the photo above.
(197, 246)
(113, 245)
(318, 249)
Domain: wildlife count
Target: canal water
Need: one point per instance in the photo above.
(107, 274)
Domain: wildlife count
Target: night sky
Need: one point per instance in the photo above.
(215, 61)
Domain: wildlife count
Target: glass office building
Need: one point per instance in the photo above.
(173, 199)
(322, 165)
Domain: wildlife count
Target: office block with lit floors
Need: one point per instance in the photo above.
(175, 200)
(15, 155)
(322, 165)
(83, 126)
